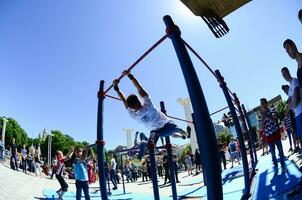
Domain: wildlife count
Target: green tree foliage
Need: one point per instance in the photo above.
(225, 137)
(60, 142)
(281, 109)
(14, 130)
(184, 152)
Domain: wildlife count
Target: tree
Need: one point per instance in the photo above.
(225, 137)
(281, 109)
(184, 152)
(14, 130)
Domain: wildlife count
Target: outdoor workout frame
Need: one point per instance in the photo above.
(205, 133)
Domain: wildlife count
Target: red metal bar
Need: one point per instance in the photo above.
(140, 58)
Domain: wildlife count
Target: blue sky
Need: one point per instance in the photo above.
(54, 53)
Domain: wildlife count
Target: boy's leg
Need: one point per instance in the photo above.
(281, 154)
(142, 147)
(78, 190)
(86, 190)
(272, 149)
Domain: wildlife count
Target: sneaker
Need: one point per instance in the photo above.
(114, 188)
(189, 131)
(184, 137)
(59, 192)
(290, 149)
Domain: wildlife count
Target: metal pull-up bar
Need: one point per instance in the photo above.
(140, 59)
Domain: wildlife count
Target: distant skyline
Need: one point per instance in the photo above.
(54, 53)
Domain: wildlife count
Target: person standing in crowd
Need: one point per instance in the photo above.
(112, 172)
(24, 158)
(264, 145)
(234, 152)
(289, 121)
(160, 166)
(295, 102)
(1, 151)
(144, 171)
(90, 169)
(37, 163)
(13, 150)
(175, 165)
(272, 134)
(221, 152)
(81, 172)
(60, 168)
(188, 162)
(166, 167)
(293, 53)
(197, 161)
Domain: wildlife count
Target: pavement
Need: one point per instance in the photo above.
(17, 185)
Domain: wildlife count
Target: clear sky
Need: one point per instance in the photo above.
(54, 53)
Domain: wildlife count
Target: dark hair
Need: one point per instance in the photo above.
(285, 69)
(132, 101)
(290, 42)
(300, 14)
(263, 100)
(284, 87)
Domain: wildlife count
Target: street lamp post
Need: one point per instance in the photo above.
(3, 133)
(49, 149)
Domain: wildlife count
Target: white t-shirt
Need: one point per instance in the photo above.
(113, 164)
(293, 84)
(150, 116)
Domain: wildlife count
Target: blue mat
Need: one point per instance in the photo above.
(268, 185)
(51, 194)
(233, 186)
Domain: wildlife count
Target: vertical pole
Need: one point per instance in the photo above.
(101, 143)
(245, 129)
(170, 157)
(151, 147)
(202, 164)
(251, 134)
(122, 166)
(226, 93)
(207, 138)
(4, 120)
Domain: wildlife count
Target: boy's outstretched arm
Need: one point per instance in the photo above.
(119, 93)
(69, 154)
(136, 84)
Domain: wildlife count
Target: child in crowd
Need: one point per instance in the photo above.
(60, 168)
(145, 112)
(81, 172)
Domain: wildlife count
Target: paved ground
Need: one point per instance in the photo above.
(17, 185)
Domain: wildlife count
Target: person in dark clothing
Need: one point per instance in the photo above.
(221, 152)
(175, 165)
(160, 166)
(24, 159)
(197, 161)
(166, 168)
(14, 164)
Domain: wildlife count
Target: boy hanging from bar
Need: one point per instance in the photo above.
(145, 112)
